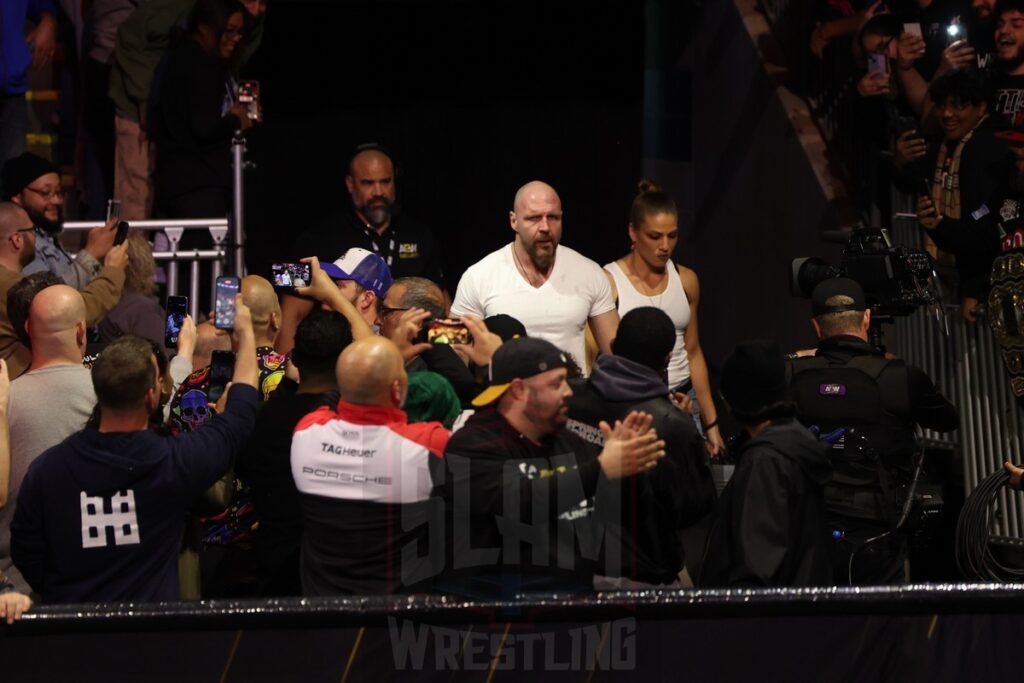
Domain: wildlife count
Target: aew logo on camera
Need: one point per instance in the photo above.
(832, 389)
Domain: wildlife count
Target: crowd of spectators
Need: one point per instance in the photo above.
(946, 78)
(540, 422)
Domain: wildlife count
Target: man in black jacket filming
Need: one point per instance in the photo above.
(656, 505)
(866, 405)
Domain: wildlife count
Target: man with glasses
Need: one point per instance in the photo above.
(33, 183)
(18, 245)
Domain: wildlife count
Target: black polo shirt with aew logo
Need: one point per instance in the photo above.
(408, 247)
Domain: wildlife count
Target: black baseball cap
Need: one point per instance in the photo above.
(518, 358)
(839, 286)
(505, 326)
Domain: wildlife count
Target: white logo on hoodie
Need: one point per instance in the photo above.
(121, 519)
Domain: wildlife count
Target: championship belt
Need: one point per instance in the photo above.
(1006, 315)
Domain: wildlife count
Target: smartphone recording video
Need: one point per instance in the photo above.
(249, 95)
(291, 274)
(448, 331)
(878, 64)
(113, 209)
(222, 368)
(177, 309)
(224, 303)
(122, 233)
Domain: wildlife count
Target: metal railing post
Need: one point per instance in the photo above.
(238, 205)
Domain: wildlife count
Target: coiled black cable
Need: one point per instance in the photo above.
(974, 556)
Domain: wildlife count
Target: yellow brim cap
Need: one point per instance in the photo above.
(490, 395)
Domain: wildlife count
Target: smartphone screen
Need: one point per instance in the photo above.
(446, 331)
(122, 233)
(878, 64)
(249, 95)
(224, 303)
(291, 274)
(955, 32)
(113, 209)
(177, 308)
(913, 29)
(222, 368)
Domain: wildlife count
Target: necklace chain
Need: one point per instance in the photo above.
(648, 295)
(522, 269)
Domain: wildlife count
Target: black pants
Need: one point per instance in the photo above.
(857, 560)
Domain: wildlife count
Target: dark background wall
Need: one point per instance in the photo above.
(474, 98)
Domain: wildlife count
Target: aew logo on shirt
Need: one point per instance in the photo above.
(832, 389)
(121, 519)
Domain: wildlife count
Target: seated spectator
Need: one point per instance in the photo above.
(17, 249)
(138, 312)
(655, 506)
(769, 527)
(81, 552)
(516, 459)
(50, 402)
(365, 478)
(265, 465)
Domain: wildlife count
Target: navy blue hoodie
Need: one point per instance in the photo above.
(100, 515)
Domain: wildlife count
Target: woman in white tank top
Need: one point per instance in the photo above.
(646, 276)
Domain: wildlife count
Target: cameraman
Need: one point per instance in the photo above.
(867, 406)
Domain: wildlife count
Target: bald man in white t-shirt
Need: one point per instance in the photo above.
(554, 291)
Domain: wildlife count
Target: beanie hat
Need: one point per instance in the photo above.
(754, 377)
(21, 171)
(431, 398)
(505, 326)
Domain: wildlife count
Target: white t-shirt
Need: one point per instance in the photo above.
(556, 311)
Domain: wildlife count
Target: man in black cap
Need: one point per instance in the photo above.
(866, 405)
(769, 527)
(33, 183)
(658, 505)
(520, 487)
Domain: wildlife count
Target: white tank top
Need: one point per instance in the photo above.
(673, 301)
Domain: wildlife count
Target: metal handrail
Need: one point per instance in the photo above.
(173, 229)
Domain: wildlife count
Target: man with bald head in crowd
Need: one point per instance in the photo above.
(17, 248)
(259, 296)
(553, 290)
(365, 476)
(50, 402)
(188, 407)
